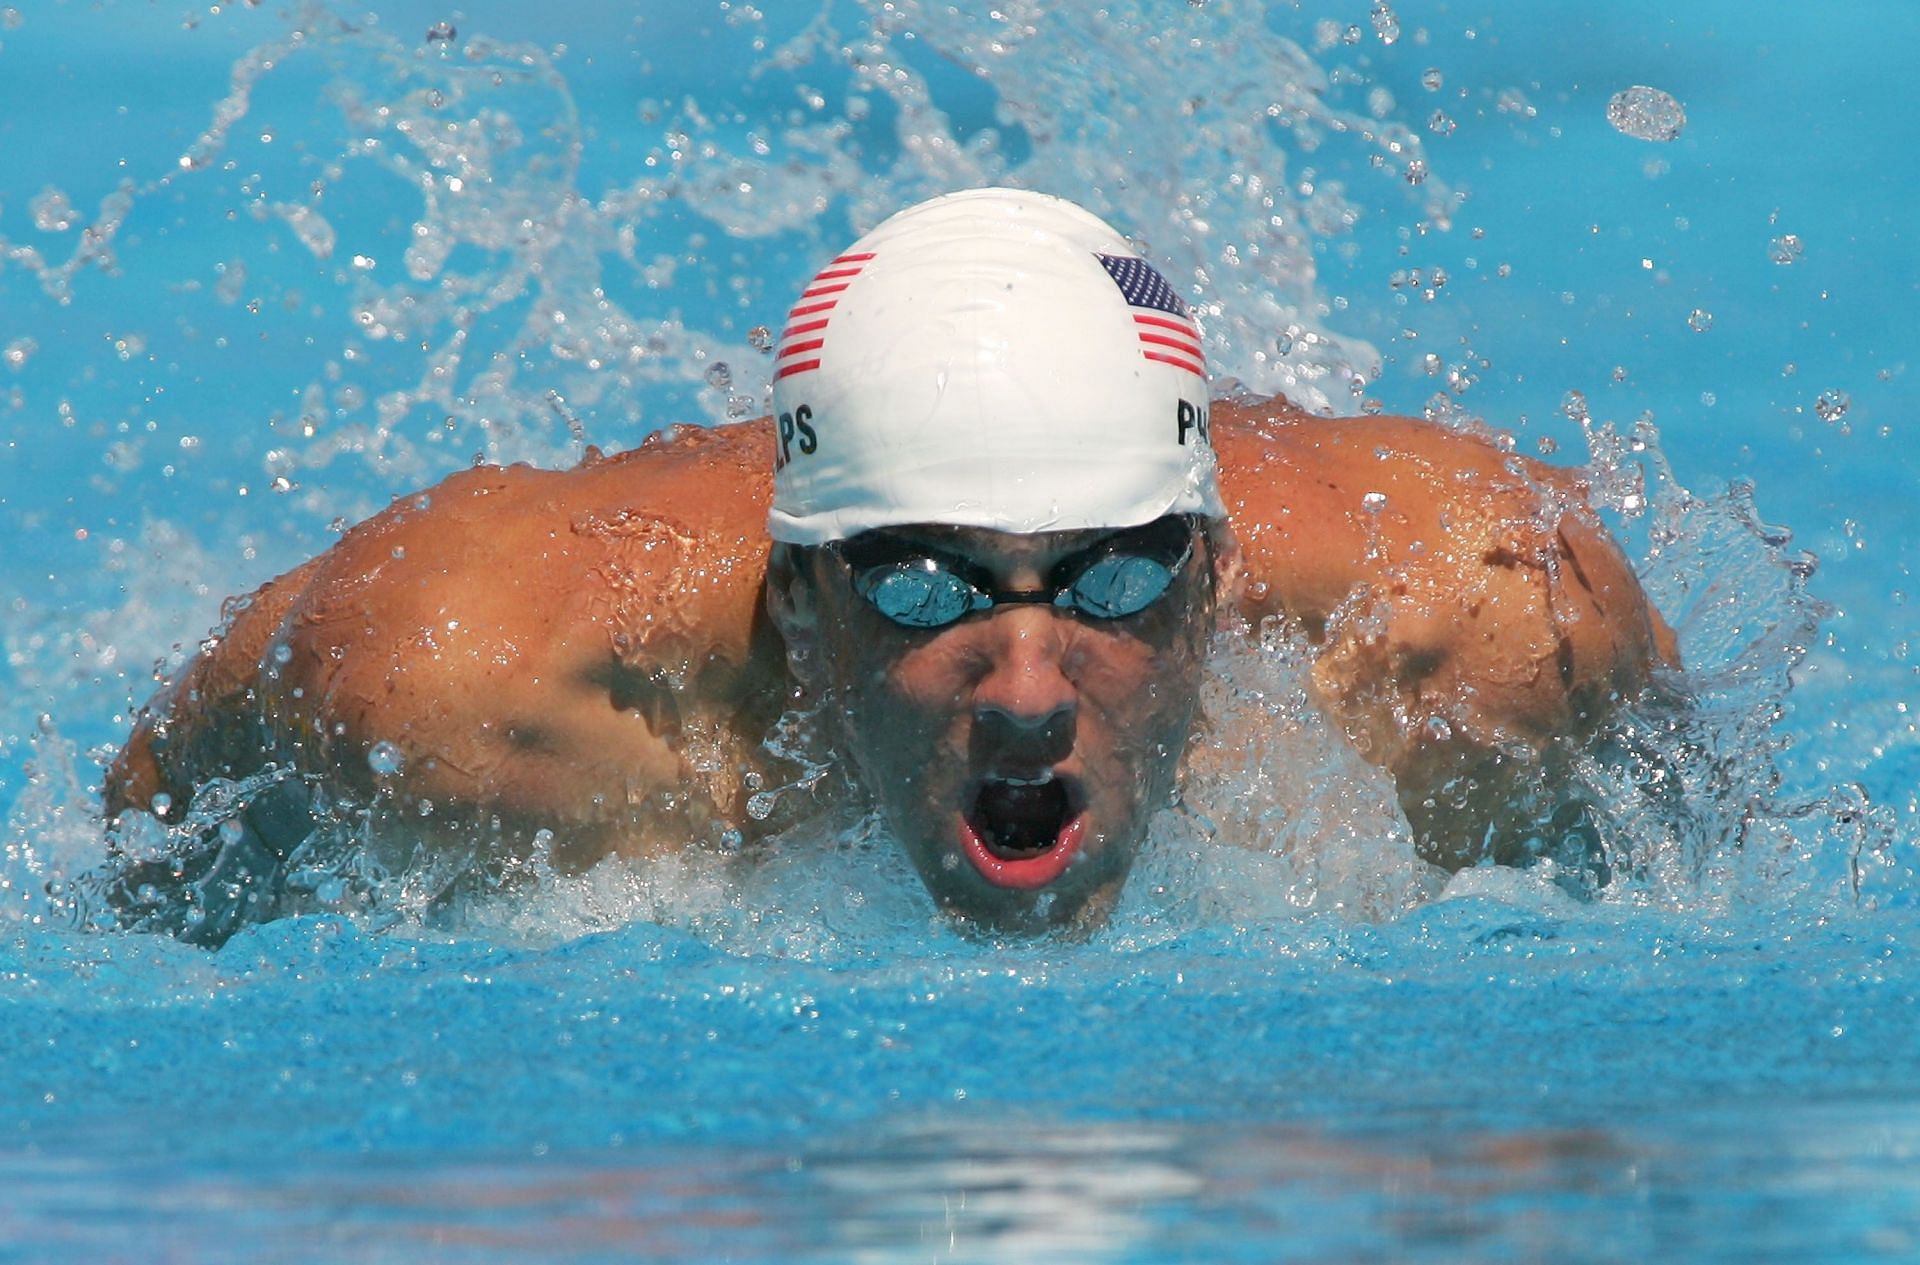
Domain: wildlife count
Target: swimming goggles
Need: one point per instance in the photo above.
(919, 586)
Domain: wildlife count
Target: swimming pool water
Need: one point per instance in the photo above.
(638, 1066)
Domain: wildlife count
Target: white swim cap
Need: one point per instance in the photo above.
(992, 358)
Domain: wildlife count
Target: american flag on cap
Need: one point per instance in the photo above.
(1160, 318)
(806, 331)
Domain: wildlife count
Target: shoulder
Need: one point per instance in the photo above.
(1323, 504)
(499, 576)
(688, 495)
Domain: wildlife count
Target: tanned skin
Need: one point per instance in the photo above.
(587, 650)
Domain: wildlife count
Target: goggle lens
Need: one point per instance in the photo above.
(921, 593)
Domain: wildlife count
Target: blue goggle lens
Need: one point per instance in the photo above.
(1118, 585)
(920, 593)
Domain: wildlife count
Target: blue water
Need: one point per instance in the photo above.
(1713, 1065)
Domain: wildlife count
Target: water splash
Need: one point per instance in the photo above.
(1690, 800)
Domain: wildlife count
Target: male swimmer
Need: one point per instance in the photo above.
(992, 526)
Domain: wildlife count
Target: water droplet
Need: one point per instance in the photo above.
(52, 212)
(1385, 24)
(441, 31)
(1514, 101)
(760, 338)
(231, 831)
(1431, 79)
(1374, 502)
(1417, 171)
(1574, 405)
(384, 759)
(760, 806)
(1284, 342)
(1700, 320)
(1784, 249)
(1440, 123)
(18, 350)
(160, 803)
(1832, 405)
(1646, 114)
(720, 374)
(1547, 445)
(283, 654)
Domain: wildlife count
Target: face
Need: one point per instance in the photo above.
(1019, 752)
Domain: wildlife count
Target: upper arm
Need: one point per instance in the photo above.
(205, 722)
(1443, 578)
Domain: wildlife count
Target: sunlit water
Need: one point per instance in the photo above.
(263, 269)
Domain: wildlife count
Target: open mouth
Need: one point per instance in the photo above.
(1023, 831)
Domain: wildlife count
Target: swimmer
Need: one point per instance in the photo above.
(991, 529)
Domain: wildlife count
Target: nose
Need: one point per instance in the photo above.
(1025, 706)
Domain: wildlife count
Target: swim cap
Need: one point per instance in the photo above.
(992, 358)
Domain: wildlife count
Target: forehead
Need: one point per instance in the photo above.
(987, 545)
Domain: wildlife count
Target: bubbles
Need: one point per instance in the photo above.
(1574, 406)
(441, 32)
(1440, 123)
(760, 338)
(1700, 320)
(1785, 249)
(1832, 404)
(18, 352)
(719, 375)
(385, 759)
(1646, 114)
(1432, 80)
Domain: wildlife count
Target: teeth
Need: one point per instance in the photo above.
(1042, 780)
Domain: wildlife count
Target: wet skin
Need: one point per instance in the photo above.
(1070, 725)
(598, 651)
